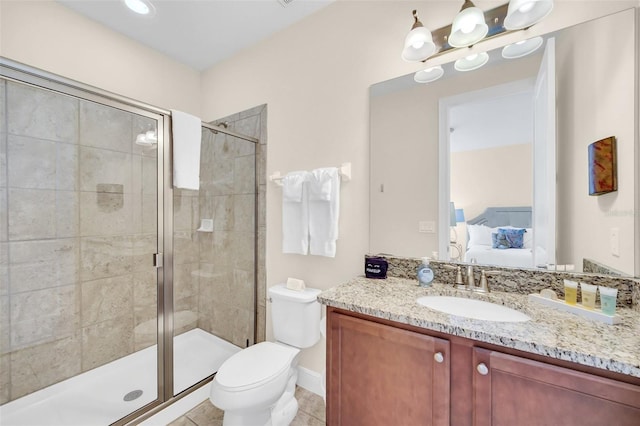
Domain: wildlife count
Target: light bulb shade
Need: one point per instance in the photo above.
(151, 136)
(428, 75)
(520, 49)
(468, 27)
(459, 215)
(141, 7)
(524, 13)
(471, 62)
(418, 45)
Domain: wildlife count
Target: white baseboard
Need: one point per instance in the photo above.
(179, 408)
(311, 381)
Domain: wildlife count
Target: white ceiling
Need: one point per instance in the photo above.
(199, 33)
(492, 122)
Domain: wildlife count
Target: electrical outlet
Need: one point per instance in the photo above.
(427, 226)
(615, 241)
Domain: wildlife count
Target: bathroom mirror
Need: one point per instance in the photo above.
(418, 169)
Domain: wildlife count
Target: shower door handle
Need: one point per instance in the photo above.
(157, 260)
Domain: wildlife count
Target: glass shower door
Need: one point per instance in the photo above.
(78, 230)
(215, 259)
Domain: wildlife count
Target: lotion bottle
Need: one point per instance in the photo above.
(425, 274)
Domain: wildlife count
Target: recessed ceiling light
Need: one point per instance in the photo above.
(142, 7)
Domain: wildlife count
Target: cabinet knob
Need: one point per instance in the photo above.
(482, 369)
(438, 357)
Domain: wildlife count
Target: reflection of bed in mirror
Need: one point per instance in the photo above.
(481, 241)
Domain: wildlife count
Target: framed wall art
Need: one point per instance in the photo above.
(602, 166)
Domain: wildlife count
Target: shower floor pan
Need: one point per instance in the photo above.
(97, 397)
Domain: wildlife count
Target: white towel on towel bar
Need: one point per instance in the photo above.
(295, 213)
(187, 133)
(324, 210)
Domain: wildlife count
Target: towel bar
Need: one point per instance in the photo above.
(344, 170)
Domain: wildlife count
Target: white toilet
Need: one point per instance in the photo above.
(256, 386)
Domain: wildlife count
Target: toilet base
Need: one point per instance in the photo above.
(244, 418)
(281, 413)
(286, 408)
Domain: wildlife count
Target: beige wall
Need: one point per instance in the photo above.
(607, 109)
(46, 35)
(476, 174)
(314, 76)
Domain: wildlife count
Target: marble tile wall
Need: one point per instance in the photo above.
(77, 231)
(227, 256)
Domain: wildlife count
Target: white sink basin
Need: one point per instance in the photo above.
(471, 308)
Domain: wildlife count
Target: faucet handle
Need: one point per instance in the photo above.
(484, 282)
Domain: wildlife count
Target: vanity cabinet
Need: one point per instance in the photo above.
(380, 372)
(383, 375)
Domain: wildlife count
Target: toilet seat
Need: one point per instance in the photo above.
(255, 366)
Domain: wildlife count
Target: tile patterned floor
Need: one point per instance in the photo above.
(311, 412)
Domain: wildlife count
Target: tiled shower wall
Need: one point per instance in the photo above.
(77, 231)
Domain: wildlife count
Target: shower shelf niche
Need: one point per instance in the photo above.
(206, 225)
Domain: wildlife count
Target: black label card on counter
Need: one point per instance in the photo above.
(375, 267)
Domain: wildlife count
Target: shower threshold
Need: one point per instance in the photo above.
(105, 394)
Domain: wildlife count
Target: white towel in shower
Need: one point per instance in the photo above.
(295, 213)
(324, 211)
(186, 130)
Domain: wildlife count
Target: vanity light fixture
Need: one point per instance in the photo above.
(469, 26)
(471, 62)
(418, 45)
(521, 48)
(525, 13)
(428, 75)
(141, 7)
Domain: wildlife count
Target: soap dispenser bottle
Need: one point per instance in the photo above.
(425, 274)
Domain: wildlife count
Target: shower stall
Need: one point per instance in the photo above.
(118, 293)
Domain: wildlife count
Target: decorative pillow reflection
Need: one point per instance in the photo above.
(479, 235)
(508, 238)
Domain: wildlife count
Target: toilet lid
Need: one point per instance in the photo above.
(255, 365)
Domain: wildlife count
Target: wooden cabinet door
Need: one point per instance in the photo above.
(519, 391)
(382, 375)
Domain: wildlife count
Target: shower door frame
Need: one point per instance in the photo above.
(24, 74)
(163, 259)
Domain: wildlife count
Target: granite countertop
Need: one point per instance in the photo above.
(550, 332)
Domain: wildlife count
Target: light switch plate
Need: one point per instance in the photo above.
(427, 226)
(615, 241)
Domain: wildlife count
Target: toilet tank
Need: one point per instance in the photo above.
(295, 315)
